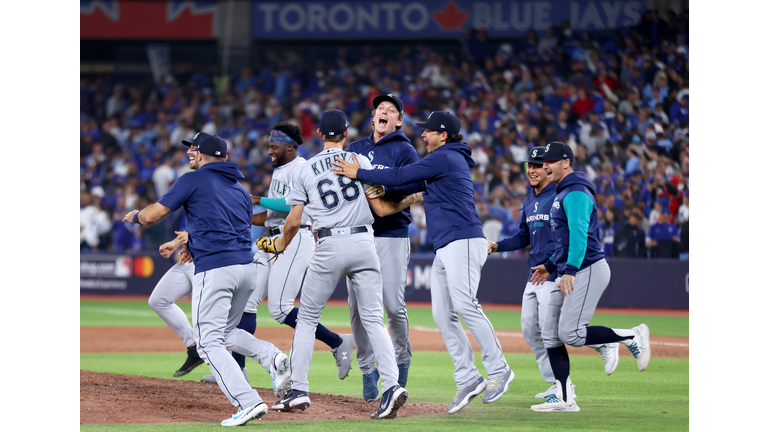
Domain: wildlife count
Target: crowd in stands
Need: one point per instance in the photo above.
(621, 102)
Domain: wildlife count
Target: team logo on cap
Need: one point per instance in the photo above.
(534, 153)
(195, 137)
(547, 149)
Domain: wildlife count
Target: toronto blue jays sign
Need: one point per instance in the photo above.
(434, 19)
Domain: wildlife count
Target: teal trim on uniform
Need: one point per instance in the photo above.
(541, 204)
(578, 208)
(275, 204)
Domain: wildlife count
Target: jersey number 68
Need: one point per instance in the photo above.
(349, 191)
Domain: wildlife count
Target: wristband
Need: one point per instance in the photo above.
(136, 218)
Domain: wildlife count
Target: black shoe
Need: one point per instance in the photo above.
(392, 400)
(295, 399)
(193, 361)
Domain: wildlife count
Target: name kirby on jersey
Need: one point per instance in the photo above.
(326, 164)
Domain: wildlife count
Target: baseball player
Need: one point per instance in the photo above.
(536, 232)
(177, 283)
(387, 147)
(219, 211)
(280, 281)
(461, 251)
(345, 247)
(582, 276)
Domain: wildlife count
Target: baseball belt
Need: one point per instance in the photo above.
(353, 230)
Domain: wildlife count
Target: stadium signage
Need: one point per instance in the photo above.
(434, 19)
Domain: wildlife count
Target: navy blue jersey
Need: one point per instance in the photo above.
(535, 229)
(448, 201)
(575, 225)
(392, 151)
(218, 215)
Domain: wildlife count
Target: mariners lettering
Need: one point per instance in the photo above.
(279, 187)
(537, 217)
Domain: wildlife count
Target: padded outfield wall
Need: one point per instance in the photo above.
(634, 283)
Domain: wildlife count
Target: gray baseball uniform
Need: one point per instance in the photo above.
(345, 247)
(280, 282)
(175, 284)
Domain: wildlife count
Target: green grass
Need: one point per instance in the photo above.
(654, 400)
(139, 314)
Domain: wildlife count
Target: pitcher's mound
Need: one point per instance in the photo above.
(115, 398)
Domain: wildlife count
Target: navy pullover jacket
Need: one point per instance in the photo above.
(573, 217)
(449, 200)
(393, 150)
(218, 215)
(535, 229)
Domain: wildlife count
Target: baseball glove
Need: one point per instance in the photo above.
(268, 245)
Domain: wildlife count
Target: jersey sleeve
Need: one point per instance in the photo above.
(366, 165)
(275, 204)
(179, 192)
(578, 208)
(408, 157)
(298, 194)
(521, 239)
(432, 166)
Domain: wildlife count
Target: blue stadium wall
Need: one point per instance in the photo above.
(634, 284)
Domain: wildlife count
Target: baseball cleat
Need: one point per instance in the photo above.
(610, 354)
(555, 402)
(546, 393)
(394, 397)
(371, 386)
(465, 396)
(243, 416)
(281, 375)
(553, 389)
(295, 399)
(212, 379)
(343, 355)
(640, 346)
(498, 386)
(193, 361)
(402, 378)
(208, 379)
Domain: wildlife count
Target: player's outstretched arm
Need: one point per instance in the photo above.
(167, 248)
(150, 215)
(291, 227)
(384, 207)
(259, 219)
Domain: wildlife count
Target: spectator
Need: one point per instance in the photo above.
(629, 241)
(94, 223)
(163, 176)
(663, 238)
(583, 104)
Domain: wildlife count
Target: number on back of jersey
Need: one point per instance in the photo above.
(348, 189)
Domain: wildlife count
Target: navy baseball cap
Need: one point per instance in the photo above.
(208, 144)
(441, 121)
(333, 122)
(389, 97)
(535, 155)
(556, 151)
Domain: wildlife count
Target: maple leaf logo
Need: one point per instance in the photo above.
(452, 18)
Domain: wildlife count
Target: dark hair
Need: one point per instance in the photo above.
(455, 138)
(289, 129)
